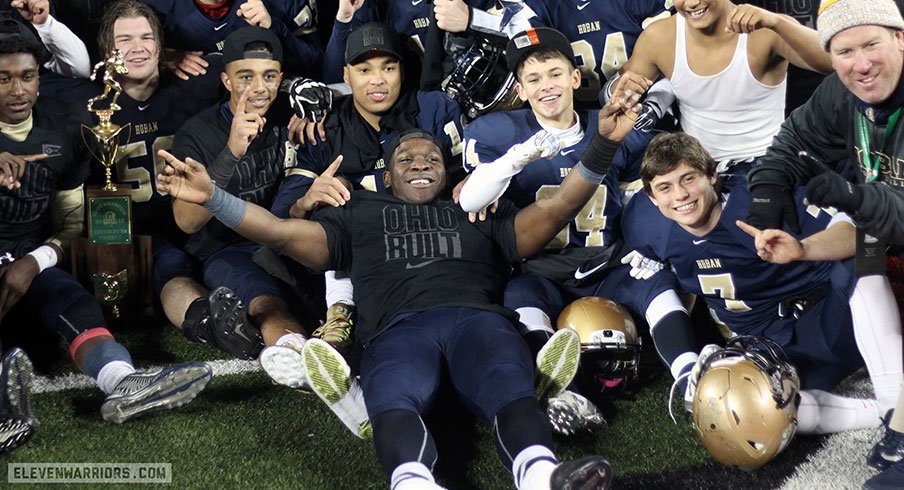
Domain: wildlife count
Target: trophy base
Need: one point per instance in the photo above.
(91, 261)
(109, 215)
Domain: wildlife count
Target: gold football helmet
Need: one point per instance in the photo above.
(745, 405)
(610, 346)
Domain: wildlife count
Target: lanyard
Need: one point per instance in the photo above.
(872, 171)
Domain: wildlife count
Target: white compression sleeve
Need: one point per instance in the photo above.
(877, 329)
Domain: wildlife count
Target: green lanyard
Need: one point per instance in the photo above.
(872, 171)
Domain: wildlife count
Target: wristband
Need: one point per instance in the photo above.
(45, 256)
(222, 167)
(227, 208)
(599, 154)
(589, 175)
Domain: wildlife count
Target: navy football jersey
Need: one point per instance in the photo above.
(437, 113)
(154, 123)
(602, 34)
(409, 18)
(596, 225)
(25, 212)
(742, 291)
(294, 21)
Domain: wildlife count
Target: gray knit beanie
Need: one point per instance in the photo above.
(838, 15)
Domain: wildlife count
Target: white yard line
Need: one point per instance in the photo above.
(73, 381)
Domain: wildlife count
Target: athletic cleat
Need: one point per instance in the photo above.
(570, 413)
(232, 330)
(15, 381)
(285, 365)
(890, 449)
(144, 392)
(557, 363)
(330, 378)
(337, 330)
(14, 432)
(199, 326)
(17, 418)
(588, 473)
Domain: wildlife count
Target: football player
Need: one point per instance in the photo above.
(360, 128)
(412, 21)
(727, 65)
(602, 35)
(796, 291)
(201, 27)
(156, 104)
(412, 327)
(43, 164)
(585, 258)
(248, 155)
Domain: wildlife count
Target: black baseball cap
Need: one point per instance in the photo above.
(236, 44)
(410, 134)
(11, 28)
(532, 39)
(373, 37)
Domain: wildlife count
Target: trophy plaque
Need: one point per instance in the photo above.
(111, 257)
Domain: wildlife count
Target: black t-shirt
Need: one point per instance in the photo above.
(256, 176)
(25, 212)
(405, 257)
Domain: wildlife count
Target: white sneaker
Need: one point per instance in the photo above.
(569, 413)
(557, 363)
(330, 378)
(161, 389)
(285, 365)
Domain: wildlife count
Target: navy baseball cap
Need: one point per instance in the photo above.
(372, 37)
(532, 39)
(236, 45)
(410, 134)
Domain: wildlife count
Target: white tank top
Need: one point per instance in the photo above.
(732, 113)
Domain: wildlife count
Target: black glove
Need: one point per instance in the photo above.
(831, 189)
(648, 117)
(769, 206)
(309, 99)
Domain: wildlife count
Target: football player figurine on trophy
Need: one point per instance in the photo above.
(105, 137)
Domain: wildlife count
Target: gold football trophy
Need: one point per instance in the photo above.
(110, 256)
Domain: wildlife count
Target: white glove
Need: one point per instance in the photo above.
(541, 145)
(642, 267)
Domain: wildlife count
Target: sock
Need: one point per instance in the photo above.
(401, 436)
(821, 412)
(532, 468)
(412, 476)
(112, 373)
(682, 364)
(351, 409)
(519, 425)
(897, 419)
(535, 328)
(671, 328)
(296, 339)
(877, 328)
(339, 288)
(101, 354)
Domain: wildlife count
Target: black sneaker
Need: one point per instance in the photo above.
(890, 449)
(588, 473)
(232, 330)
(149, 391)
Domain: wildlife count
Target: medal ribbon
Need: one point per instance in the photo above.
(872, 171)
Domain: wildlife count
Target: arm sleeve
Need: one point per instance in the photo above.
(69, 54)
(816, 127)
(67, 216)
